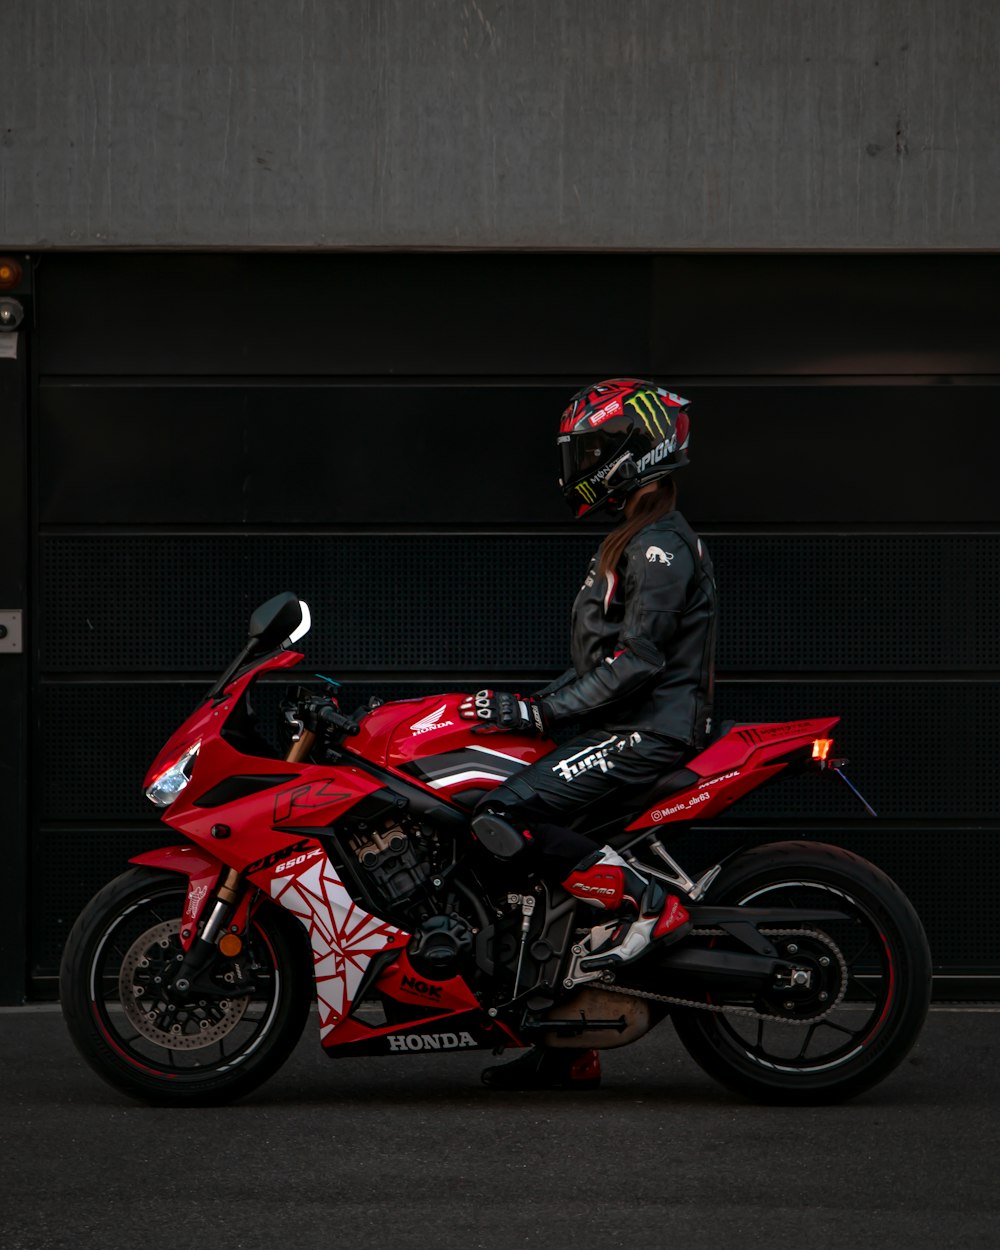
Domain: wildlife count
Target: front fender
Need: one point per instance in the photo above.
(202, 870)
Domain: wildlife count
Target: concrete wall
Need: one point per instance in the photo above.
(500, 123)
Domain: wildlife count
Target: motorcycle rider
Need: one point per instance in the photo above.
(643, 640)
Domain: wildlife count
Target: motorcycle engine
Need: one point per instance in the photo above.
(441, 947)
(391, 857)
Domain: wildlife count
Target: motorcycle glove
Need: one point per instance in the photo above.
(518, 713)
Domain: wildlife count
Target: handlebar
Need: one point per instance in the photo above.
(333, 719)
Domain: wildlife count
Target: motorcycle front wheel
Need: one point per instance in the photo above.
(864, 997)
(209, 1048)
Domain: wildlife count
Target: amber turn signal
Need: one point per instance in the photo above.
(10, 273)
(822, 748)
(230, 944)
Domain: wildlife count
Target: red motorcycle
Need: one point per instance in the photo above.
(347, 870)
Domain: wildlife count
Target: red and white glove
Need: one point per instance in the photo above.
(518, 713)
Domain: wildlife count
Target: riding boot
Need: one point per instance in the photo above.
(547, 1069)
(647, 912)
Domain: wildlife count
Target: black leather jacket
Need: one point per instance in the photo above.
(643, 643)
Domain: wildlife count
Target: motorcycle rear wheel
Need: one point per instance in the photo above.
(120, 951)
(880, 958)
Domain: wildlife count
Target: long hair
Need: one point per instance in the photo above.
(648, 508)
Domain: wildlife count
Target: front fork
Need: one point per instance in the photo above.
(225, 921)
(213, 926)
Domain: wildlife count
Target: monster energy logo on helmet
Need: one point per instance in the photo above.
(652, 410)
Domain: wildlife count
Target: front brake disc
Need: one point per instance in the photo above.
(144, 976)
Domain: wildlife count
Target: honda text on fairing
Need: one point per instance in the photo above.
(346, 869)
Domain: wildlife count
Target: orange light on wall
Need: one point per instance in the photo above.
(822, 748)
(10, 273)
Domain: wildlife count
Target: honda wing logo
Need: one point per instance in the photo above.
(432, 721)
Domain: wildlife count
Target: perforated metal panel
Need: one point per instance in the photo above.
(71, 866)
(156, 442)
(858, 603)
(406, 603)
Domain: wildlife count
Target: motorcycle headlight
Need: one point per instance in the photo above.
(172, 780)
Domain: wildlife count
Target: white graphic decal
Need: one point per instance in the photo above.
(344, 937)
(656, 555)
(608, 469)
(501, 755)
(195, 897)
(432, 1041)
(294, 863)
(662, 813)
(658, 453)
(431, 721)
(714, 781)
(597, 756)
(453, 779)
(611, 409)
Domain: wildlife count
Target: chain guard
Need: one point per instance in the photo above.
(746, 1012)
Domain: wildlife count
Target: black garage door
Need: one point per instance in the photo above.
(375, 432)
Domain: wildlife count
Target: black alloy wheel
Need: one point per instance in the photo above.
(858, 994)
(159, 1047)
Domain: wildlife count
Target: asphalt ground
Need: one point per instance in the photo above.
(413, 1152)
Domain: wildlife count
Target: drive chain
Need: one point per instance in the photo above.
(722, 1009)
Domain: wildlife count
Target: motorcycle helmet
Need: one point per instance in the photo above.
(616, 436)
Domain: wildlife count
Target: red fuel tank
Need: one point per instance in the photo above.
(427, 739)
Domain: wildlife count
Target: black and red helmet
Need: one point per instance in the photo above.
(616, 436)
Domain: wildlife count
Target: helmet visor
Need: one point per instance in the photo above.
(586, 451)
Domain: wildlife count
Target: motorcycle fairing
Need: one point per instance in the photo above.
(208, 718)
(740, 761)
(401, 981)
(344, 937)
(462, 1030)
(758, 743)
(707, 798)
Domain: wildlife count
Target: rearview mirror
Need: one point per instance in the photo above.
(275, 621)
